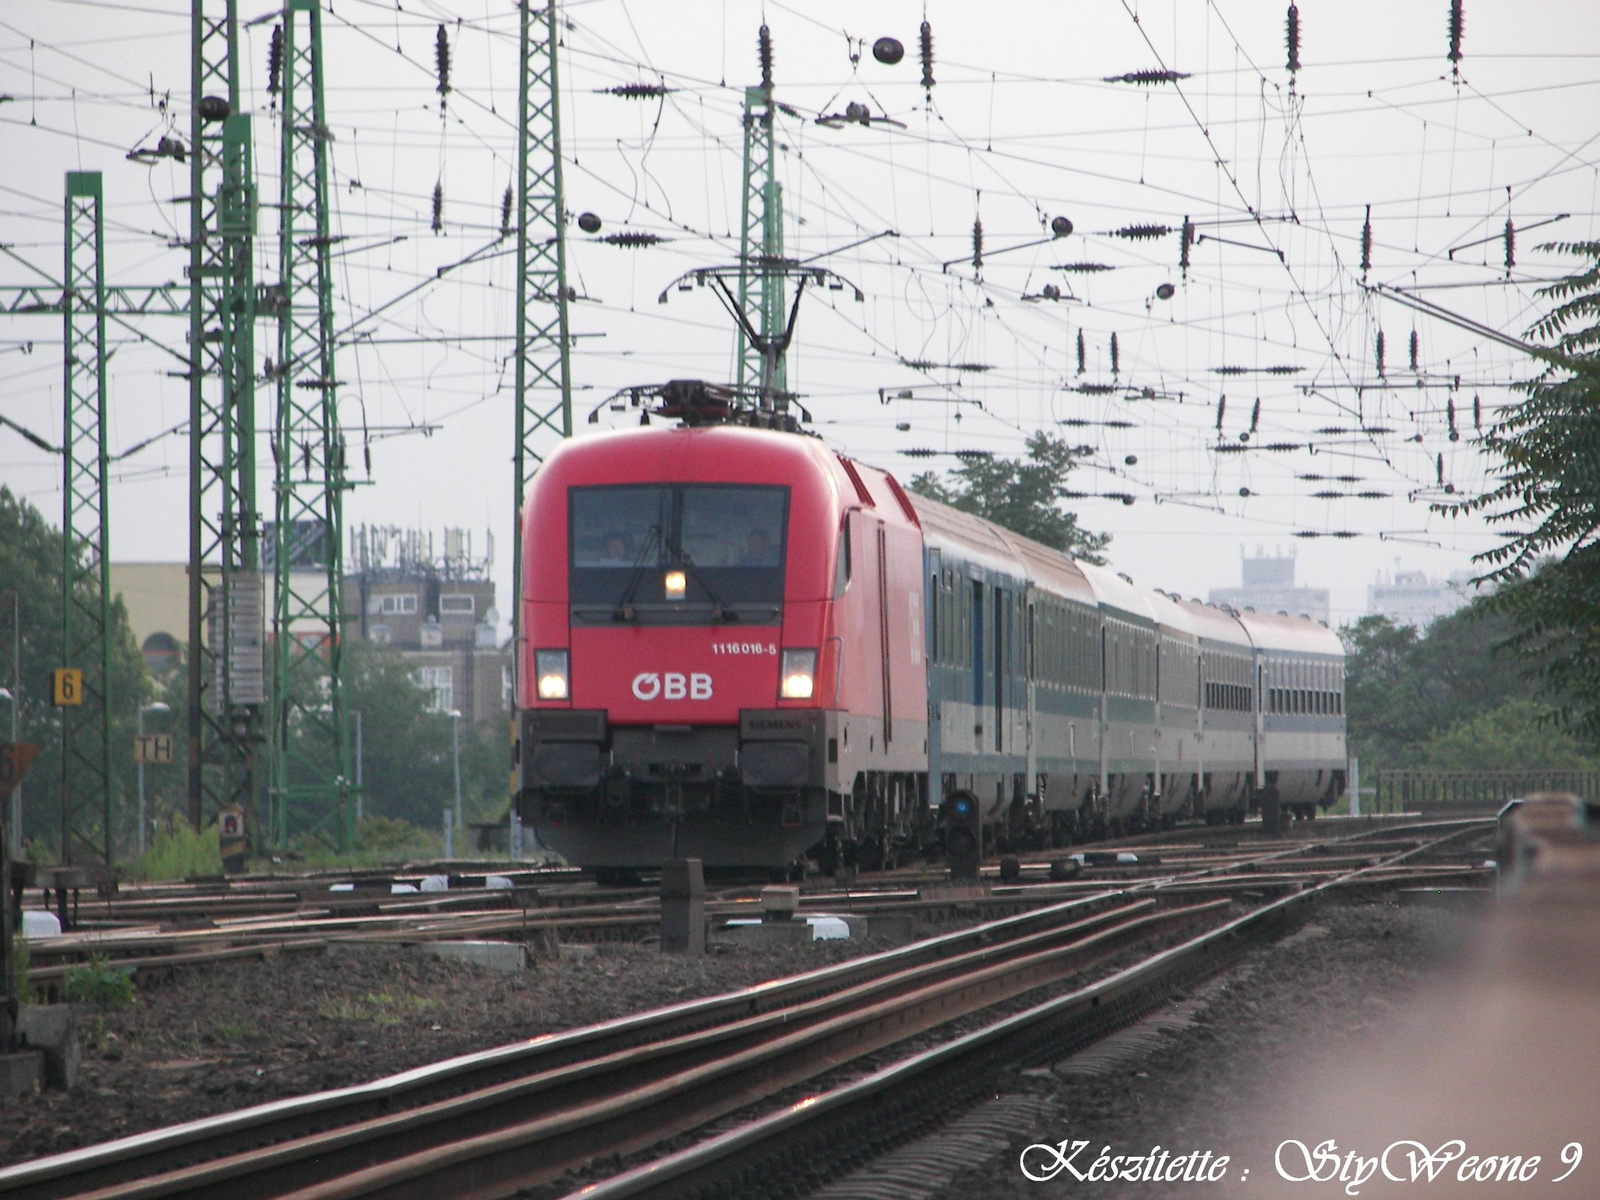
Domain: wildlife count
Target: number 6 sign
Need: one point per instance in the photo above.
(68, 689)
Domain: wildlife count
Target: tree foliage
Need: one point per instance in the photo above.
(408, 751)
(1022, 495)
(1547, 492)
(30, 563)
(1414, 699)
(1512, 737)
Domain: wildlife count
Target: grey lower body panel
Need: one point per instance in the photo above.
(587, 839)
(751, 795)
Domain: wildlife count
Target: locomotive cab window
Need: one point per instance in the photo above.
(730, 540)
(841, 570)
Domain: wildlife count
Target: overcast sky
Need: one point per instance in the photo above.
(1021, 126)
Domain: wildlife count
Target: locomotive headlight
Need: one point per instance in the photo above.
(798, 674)
(676, 584)
(552, 668)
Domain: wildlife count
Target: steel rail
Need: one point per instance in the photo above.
(160, 1149)
(709, 1075)
(913, 1095)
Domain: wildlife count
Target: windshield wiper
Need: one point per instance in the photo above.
(624, 610)
(719, 610)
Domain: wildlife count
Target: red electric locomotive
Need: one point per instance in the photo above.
(724, 648)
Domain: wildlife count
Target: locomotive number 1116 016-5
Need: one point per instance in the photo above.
(743, 648)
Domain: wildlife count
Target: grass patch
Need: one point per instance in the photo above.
(98, 982)
(178, 852)
(380, 841)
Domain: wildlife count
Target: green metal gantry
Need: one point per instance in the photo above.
(227, 683)
(761, 245)
(543, 367)
(311, 790)
(86, 302)
(86, 783)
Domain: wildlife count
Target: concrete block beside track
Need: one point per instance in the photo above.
(492, 956)
(51, 1029)
(766, 933)
(21, 1075)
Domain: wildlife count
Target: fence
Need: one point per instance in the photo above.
(1420, 790)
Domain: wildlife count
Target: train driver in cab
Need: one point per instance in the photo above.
(759, 551)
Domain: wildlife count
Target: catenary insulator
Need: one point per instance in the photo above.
(1292, 33)
(1366, 242)
(1511, 245)
(977, 242)
(1222, 409)
(438, 207)
(1142, 233)
(1413, 349)
(630, 239)
(441, 58)
(1147, 77)
(764, 50)
(1378, 353)
(1477, 414)
(275, 61)
(1255, 416)
(1184, 243)
(505, 212)
(1081, 366)
(638, 91)
(1450, 416)
(1458, 26)
(926, 42)
(1116, 358)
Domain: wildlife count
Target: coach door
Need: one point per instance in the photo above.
(1000, 648)
(883, 634)
(936, 656)
(977, 664)
(1030, 672)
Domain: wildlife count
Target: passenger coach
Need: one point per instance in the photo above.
(743, 647)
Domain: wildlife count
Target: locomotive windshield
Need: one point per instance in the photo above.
(729, 538)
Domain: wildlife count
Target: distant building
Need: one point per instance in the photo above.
(1412, 598)
(157, 599)
(1268, 586)
(436, 609)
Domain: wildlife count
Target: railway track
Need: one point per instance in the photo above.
(530, 1111)
(572, 911)
(802, 1146)
(793, 1027)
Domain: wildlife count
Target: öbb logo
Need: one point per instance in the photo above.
(672, 686)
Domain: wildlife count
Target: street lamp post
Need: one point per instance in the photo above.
(360, 781)
(157, 707)
(14, 694)
(16, 791)
(455, 738)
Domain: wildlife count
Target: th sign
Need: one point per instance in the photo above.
(152, 748)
